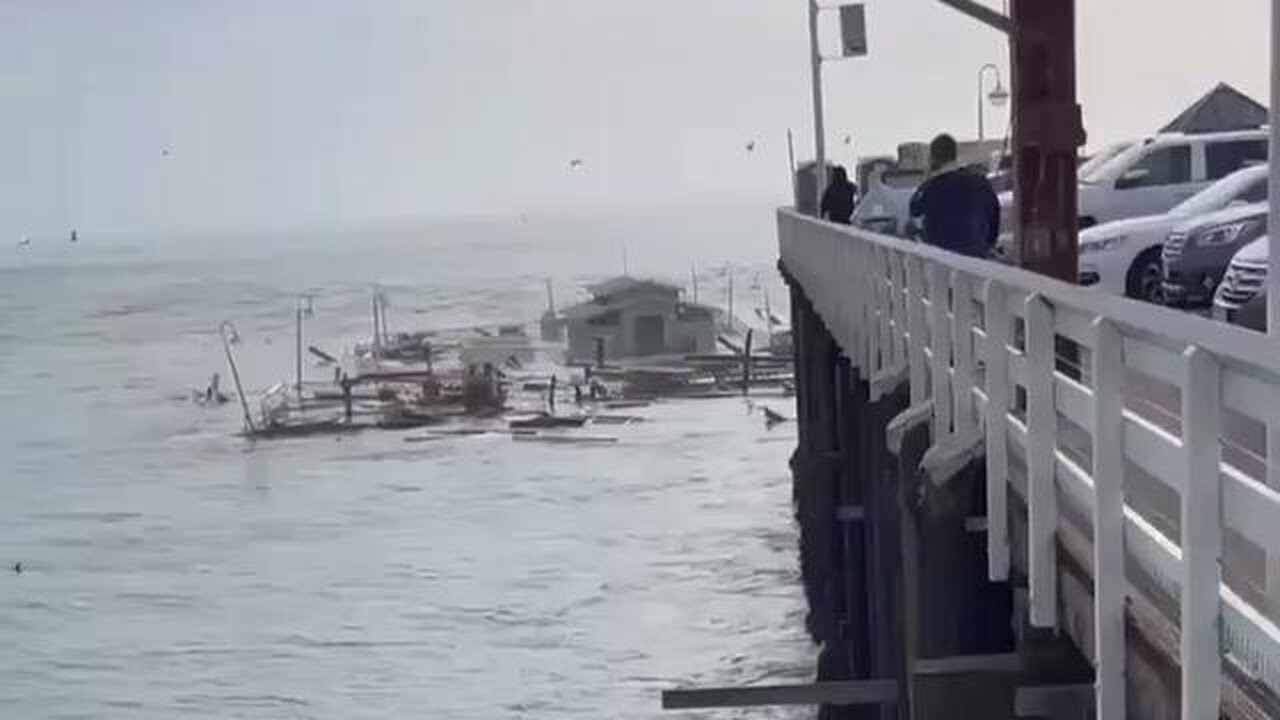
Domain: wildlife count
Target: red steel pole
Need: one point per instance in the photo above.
(1047, 133)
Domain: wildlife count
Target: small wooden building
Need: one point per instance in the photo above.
(638, 318)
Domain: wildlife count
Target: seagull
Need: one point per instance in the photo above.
(17, 568)
(25, 241)
(848, 139)
(772, 417)
(575, 163)
(165, 152)
(751, 145)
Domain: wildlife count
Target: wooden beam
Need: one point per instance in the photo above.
(982, 14)
(1059, 702)
(847, 692)
(959, 664)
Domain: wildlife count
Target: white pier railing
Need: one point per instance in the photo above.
(1089, 406)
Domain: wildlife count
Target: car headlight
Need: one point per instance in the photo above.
(1102, 244)
(1222, 235)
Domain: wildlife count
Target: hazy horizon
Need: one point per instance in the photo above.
(169, 119)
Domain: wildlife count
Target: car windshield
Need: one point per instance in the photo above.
(1219, 194)
(1087, 172)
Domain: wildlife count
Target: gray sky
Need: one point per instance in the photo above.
(311, 113)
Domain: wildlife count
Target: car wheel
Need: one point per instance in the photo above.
(1144, 279)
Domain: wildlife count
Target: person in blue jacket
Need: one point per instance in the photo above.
(956, 203)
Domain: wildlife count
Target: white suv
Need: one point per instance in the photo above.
(1151, 176)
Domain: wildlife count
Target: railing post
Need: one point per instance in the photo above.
(916, 327)
(881, 297)
(862, 312)
(1201, 537)
(881, 271)
(962, 348)
(1109, 583)
(1042, 442)
(996, 377)
(940, 344)
(898, 277)
(1272, 582)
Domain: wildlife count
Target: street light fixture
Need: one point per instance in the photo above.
(997, 97)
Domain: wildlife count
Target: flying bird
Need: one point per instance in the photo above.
(575, 163)
(848, 139)
(751, 145)
(772, 417)
(25, 241)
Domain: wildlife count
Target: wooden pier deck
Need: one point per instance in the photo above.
(1021, 498)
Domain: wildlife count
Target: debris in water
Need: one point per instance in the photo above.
(563, 439)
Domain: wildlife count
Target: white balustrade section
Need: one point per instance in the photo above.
(904, 310)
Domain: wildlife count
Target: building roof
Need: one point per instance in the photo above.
(585, 310)
(590, 309)
(1222, 108)
(623, 283)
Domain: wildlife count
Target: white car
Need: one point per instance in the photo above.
(1246, 277)
(885, 203)
(1152, 175)
(1123, 257)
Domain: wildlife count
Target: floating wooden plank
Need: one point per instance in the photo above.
(848, 692)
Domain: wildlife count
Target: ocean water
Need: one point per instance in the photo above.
(173, 569)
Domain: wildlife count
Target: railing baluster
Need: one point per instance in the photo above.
(962, 347)
(940, 344)
(1273, 482)
(1042, 434)
(863, 314)
(877, 310)
(1201, 536)
(886, 308)
(915, 326)
(1109, 583)
(898, 276)
(997, 385)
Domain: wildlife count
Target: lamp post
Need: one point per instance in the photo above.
(304, 309)
(853, 38)
(819, 133)
(998, 95)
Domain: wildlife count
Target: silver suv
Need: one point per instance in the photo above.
(1196, 252)
(1246, 277)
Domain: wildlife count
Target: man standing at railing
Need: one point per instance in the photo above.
(958, 207)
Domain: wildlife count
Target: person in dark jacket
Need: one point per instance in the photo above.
(838, 199)
(958, 207)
